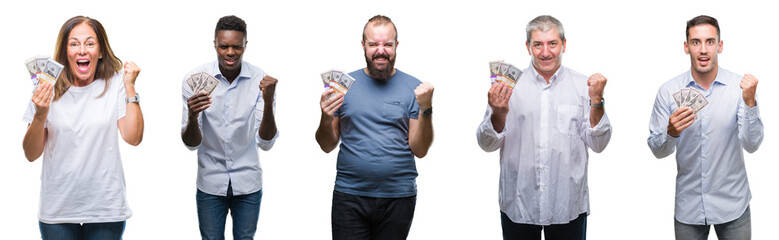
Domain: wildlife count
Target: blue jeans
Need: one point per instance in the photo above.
(573, 230)
(212, 214)
(86, 231)
(739, 229)
(358, 217)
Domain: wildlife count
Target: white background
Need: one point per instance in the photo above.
(637, 46)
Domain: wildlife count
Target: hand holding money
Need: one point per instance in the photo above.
(42, 98)
(424, 95)
(680, 120)
(749, 87)
(131, 71)
(198, 103)
(498, 99)
(596, 84)
(330, 104)
(692, 98)
(268, 87)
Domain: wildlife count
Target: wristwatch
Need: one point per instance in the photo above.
(428, 112)
(598, 105)
(132, 99)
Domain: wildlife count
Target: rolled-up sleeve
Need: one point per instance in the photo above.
(490, 140)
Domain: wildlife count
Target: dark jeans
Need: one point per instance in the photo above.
(357, 217)
(86, 231)
(212, 214)
(573, 230)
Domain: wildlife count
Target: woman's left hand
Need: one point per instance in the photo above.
(131, 71)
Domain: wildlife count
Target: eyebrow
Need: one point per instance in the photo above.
(90, 37)
(698, 39)
(230, 45)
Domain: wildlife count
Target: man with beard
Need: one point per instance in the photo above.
(711, 181)
(383, 122)
(226, 127)
(543, 128)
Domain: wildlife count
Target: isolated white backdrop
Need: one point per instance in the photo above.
(636, 45)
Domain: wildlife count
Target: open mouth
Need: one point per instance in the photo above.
(82, 65)
(230, 62)
(704, 60)
(381, 58)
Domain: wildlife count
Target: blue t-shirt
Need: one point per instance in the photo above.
(375, 159)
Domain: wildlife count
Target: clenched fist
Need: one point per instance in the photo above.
(424, 94)
(268, 87)
(596, 84)
(749, 86)
(131, 71)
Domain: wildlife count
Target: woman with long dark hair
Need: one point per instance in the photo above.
(74, 124)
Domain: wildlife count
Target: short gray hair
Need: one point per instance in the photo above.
(544, 23)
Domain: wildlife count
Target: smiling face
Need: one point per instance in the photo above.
(83, 52)
(229, 45)
(703, 46)
(546, 47)
(379, 46)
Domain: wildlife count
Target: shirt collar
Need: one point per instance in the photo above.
(717, 80)
(218, 74)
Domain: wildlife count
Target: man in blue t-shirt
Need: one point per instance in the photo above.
(384, 121)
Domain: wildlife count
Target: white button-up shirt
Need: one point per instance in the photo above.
(711, 182)
(543, 148)
(228, 151)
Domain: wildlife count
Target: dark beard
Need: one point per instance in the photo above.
(378, 74)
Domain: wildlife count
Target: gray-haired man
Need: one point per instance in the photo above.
(543, 132)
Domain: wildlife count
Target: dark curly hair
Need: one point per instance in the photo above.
(230, 23)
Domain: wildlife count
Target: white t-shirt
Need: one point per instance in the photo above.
(82, 179)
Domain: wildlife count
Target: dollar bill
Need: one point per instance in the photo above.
(342, 83)
(202, 81)
(698, 103)
(339, 81)
(692, 98)
(35, 66)
(514, 73)
(50, 72)
(40, 62)
(494, 70)
(501, 72)
(31, 67)
(678, 98)
(327, 77)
